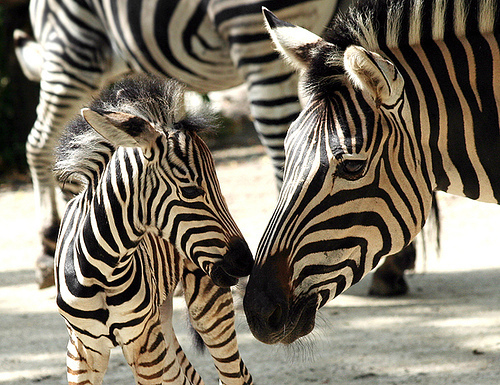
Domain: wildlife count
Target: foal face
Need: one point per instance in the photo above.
(177, 194)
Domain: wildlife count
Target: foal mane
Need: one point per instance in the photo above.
(84, 154)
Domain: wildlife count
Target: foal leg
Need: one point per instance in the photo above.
(178, 369)
(148, 354)
(85, 365)
(211, 312)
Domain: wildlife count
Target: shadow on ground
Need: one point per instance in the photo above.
(447, 331)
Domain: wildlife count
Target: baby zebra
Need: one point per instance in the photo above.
(150, 199)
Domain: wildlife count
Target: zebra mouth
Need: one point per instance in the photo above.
(237, 263)
(301, 320)
(221, 277)
(283, 325)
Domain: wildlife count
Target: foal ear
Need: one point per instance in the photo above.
(120, 128)
(372, 73)
(296, 44)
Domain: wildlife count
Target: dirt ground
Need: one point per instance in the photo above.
(446, 331)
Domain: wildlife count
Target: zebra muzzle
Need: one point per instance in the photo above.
(237, 263)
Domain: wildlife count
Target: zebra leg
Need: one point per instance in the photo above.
(211, 312)
(272, 83)
(178, 368)
(62, 94)
(85, 365)
(272, 87)
(148, 354)
(388, 279)
(274, 105)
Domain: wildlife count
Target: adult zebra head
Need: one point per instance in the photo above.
(155, 175)
(353, 188)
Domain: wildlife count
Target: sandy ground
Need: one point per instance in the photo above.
(446, 331)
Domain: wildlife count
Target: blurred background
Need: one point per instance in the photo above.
(18, 95)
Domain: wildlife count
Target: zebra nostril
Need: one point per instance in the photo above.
(275, 320)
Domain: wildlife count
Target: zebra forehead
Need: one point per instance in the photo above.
(338, 123)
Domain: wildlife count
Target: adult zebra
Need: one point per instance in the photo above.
(403, 100)
(208, 45)
(151, 199)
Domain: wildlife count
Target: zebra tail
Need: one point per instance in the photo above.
(432, 232)
(196, 340)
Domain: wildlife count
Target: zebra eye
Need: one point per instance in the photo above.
(192, 192)
(352, 169)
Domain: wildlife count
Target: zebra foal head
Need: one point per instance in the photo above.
(149, 171)
(342, 205)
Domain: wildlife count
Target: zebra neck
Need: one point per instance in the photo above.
(111, 225)
(451, 89)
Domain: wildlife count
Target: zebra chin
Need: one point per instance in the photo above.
(272, 320)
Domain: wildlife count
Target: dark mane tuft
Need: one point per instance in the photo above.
(84, 153)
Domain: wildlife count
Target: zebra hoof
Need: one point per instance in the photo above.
(388, 286)
(44, 271)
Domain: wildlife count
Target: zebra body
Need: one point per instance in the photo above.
(151, 215)
(208, 45)
(403, 100)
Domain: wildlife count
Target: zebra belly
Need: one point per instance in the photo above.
(173, 38)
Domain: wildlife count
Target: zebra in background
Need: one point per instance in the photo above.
(403, 100)
(208, 45)
(151, 214)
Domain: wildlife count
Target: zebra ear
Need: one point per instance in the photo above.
(121, 129)
(296, 44)
(29, 55)
(372, 73)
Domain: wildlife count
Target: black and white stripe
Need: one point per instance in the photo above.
(151, 214)
(403, 100)
(208, 45)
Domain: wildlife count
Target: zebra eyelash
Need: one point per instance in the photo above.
(350, 169)
(192, 192)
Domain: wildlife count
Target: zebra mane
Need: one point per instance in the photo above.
(381, 24)
(390, 23)
(83, 153)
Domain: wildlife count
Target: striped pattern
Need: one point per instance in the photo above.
(150, 215)
(403, 100)
(208, 45)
